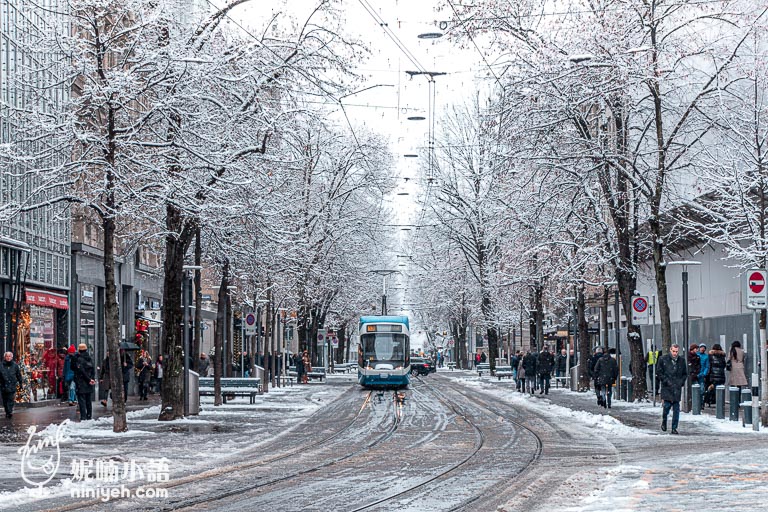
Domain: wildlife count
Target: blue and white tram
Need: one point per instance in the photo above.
(384, 352)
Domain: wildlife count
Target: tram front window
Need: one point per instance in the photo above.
(384, 347)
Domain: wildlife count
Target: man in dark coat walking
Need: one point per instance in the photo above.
(85, 378)
(529, 365)
(10, 378)
(672, 373)
(544, 366)
(606, 371)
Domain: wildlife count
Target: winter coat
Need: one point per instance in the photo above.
(85, 372)
(529, 365)
(592, 362)
(69, 374)
(10, 376)
(606, 371)
(104, 373)
(704, 358)
(672, 375)
(737, 377)
(694, 364)
(483, 357)
(561, 362)
(521, 368)
(143, 370)
(545, 362)
(717, 367)
(202, 366)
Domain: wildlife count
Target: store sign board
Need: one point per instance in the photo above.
(48, 300)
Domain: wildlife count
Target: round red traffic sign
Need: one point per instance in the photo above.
(250, 319)
(756, 282)
(640, 304)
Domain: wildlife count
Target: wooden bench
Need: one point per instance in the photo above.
(451, 365)
(231, 387)
(340, 368)
(504, 371)
(483, 367)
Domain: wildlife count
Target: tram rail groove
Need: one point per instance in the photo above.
(219, 471)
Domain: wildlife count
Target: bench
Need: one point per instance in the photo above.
(504, 371)
(231, 387)
(451, 365)
(482, 367)
(316, 373)
(340, 368)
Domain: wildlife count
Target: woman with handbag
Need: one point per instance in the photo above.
(717, 366)
(735, 366)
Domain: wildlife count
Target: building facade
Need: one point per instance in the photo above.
(34, 241)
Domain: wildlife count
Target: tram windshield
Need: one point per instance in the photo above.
(384, 347)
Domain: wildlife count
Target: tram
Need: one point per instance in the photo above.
(384, 352)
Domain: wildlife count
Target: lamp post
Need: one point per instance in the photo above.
(684, 276)
(571, 309)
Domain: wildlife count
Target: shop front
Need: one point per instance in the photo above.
(40, 344)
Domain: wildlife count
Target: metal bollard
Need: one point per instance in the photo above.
(696, 399)
(720, 402)
(630, 391)
(733, 400)
(746, 406)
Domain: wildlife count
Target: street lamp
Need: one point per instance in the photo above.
(685, 264)
(571, 309)
(186, 286)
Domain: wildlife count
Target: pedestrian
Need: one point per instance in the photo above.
(591, 370)
(694, 363)
(105, 382)
(606, 372)
(69, 376)
(545, 363)
(202, 365)
(477, 360)
(651, 358)
(10, 378)
(735, 366)
(307, 367)
(143, 373)
(246, 364)
(520, 382)
(529, 365)
(562, 361)
(703, 376)
(85, 378)
(159, 370)
(300, 369)
(126, 365)
(716, 373)
(672, 374)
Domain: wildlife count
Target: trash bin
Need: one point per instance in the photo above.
(575, 378)
(193, 392)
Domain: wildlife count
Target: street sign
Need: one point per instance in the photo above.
(757, 292)
(321, 333)
(640, 310)
(335, 342)
(250, 324)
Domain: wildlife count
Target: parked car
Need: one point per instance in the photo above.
(422, 366)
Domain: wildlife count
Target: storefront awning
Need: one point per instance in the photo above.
(47, 299)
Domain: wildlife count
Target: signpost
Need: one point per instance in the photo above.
(250, 324)
(640, 310)
(757, 292)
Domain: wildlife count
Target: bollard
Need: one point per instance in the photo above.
(630, 391)
(720, 402)
(746, 406)
(733, 401)
(696, 399)
(755, 402)
(623, 388)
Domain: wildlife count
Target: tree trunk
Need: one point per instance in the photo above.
(221, 332)
(111, 322)
(194, 352)
(176, 243)
(583, 348)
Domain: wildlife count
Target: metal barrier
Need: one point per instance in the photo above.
(575, 378)
(193, 392)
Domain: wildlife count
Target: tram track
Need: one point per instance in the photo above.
(245, 466)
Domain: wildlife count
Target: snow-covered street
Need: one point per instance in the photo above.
(713, 464)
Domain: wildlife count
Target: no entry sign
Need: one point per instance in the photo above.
(757, 293)
(250, 323)
(640, 310)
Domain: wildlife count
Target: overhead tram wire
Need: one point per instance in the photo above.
(385, 26)
(301, 72)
